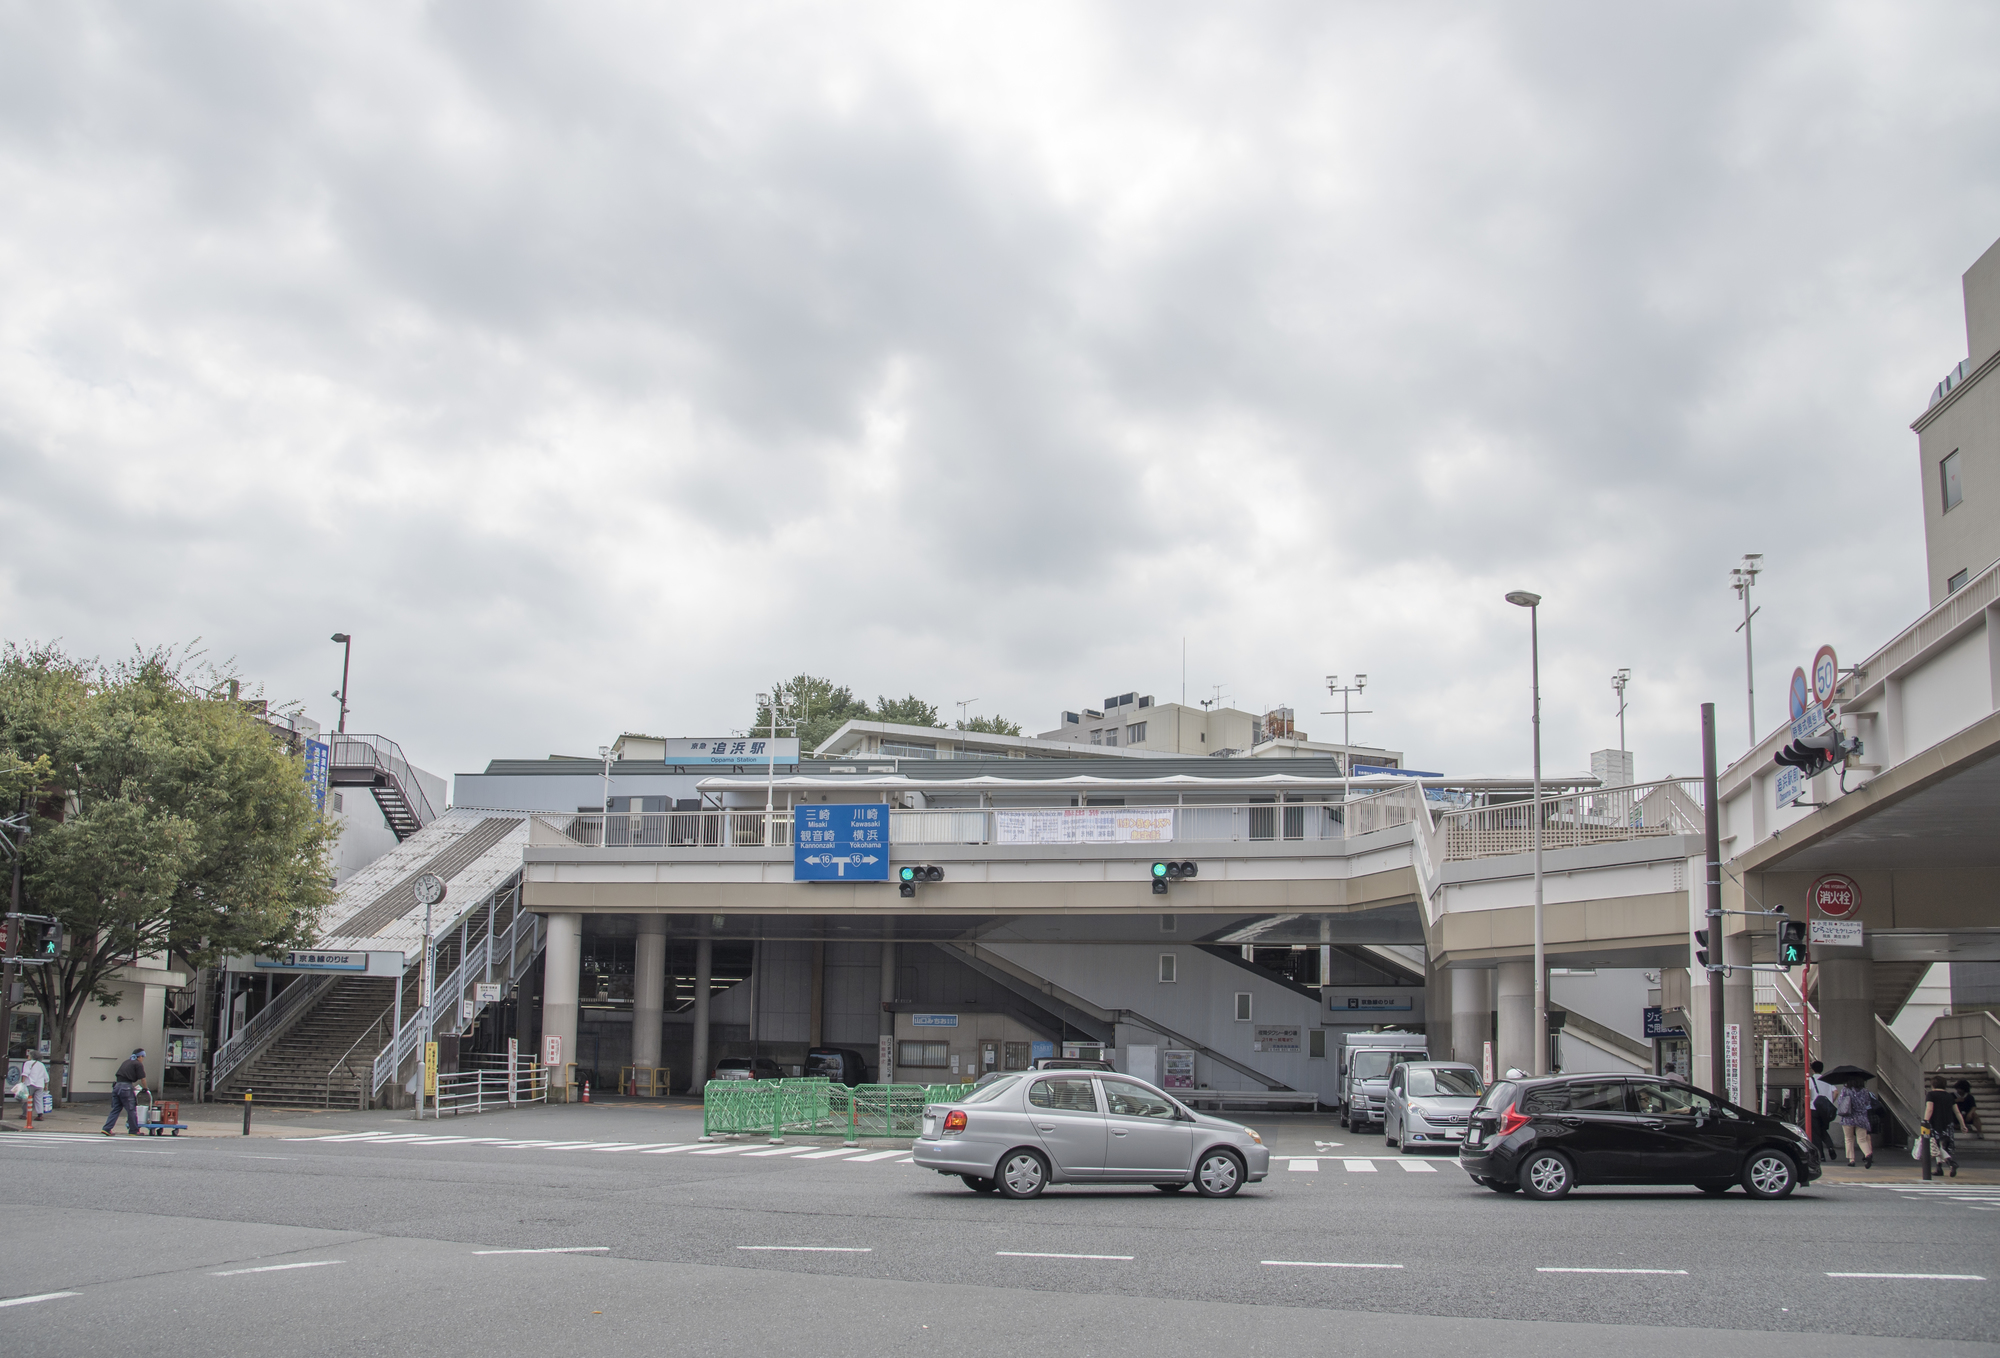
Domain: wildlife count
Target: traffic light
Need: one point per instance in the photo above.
(1816, 753)
(1792, 944)
(1701, 947)
(50, 946)
(1170, 872)
(908, 877)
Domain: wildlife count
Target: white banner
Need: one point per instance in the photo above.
(1086, 825)
(1843, 933)
(1732, 1062)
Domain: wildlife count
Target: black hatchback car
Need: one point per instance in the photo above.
(1545, 1137)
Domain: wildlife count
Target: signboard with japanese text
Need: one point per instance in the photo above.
(1271, 1038)
(933, 1020)
(732, 750)
(1656, 1024)
(319, 766)
(552, 1049)
(431, 1069)
(1835, 933)
(1086, 825)
(354, 963)
(842, 842)
(1836, 895)
(1732, 1062)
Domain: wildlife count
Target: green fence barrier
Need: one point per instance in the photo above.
(818, 1107)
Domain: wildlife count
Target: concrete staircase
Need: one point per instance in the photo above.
(1988, 1096)
(293, 1071)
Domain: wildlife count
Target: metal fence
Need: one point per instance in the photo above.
(480, 1091)
(1603, 816)
(818, 1107)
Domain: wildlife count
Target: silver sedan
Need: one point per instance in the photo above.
(1428, 1104)
(1021, 1133)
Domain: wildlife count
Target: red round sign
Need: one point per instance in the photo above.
(1836, 895)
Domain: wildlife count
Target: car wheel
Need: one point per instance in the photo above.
(1023, 1174)
(1170, 1188)
(1343, 1123)
(1219, 1174)
(1503, 1186)
(977, 1184)
(1770, 1174)
(1546, 1175)
(1715, 1187)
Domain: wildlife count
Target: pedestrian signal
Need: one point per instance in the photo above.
(1701, 947)
(1792, 945)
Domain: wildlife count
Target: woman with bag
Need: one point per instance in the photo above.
(1943, 1124)
(1851, 1104)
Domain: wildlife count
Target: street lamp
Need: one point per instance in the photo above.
(1741, 579)
(1618, 682)
(347, 653)
(1521, 598)
(1333, 685)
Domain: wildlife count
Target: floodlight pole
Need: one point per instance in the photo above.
(346, 655)
(1618, 682)
(1347, 714)
(1741, 579)
(1533, 603)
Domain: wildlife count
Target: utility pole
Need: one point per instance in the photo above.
(17, 824)
(1347, 714)
(1741, 579)
(1712, 851)
(1531, 601)
(346, 655)
(1618, 682)
(963, 705)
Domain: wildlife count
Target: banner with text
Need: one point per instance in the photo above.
(1086, 825)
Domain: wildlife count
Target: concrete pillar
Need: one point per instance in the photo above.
(1437, 1008)
(704, 968)
(816, 1019)
(649, 980)
(1514, 1003)
(1739, 1006)
(1846, 1011)
(1471, 1014)
(560, 969)
(888, 1028)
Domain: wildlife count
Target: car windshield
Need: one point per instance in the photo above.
(1370, 1065)
(1460, 1084)
(993, 1090)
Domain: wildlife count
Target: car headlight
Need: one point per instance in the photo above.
(1251, 1132)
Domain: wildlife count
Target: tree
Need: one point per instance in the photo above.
(818, 707)
(171, 822)
(992, 726)
(910, 711)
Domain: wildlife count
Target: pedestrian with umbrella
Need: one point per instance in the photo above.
(1851, 1105)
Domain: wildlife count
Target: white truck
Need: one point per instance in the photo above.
(1365, 1062)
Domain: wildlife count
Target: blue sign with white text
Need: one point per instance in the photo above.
(845, 843)
(318, 767)
(1656, 1024)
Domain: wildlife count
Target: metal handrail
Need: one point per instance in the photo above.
(267, 1024)
(1670, 806)
(384, 756)
(504, 950)
(326, 1084)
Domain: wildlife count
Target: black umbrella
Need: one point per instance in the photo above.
(1840, 1075)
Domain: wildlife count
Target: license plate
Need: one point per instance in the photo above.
(1472, 1137)
(930, 1129)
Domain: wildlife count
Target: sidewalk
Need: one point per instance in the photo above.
(201, 1119)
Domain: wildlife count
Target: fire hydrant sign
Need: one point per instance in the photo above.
(1836, 895)
(844, 843)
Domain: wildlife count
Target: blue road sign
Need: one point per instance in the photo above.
(845, 843)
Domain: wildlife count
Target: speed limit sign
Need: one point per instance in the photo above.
(1825, 675)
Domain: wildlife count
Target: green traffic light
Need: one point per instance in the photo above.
(1159, 869)
(907, 874)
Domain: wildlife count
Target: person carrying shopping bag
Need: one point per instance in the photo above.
(1943, 1122)
(34, 1088)
(1851, 1104)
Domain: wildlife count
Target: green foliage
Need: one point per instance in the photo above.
(910, 711)
(815, 708)
(992, 726)
(170, 822)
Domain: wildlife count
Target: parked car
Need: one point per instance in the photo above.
(1025, 1131)
(1428, 1104)
(1072, 1063)
(1545, 1137)
(843, 1065)
(747, 1068)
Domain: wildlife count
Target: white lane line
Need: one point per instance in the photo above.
(1360, 1166)
(1670, 1272)
(276, 1268)
(1418, 1167)
(637, 1146)
(907, 1160)
(777, 1150)
(1307, 1263)
(1033, 1254)
(806, 1249)
(553, 1249)
(267, 1157)
(876, 1155)
(1302, 1166)
(723, 1150)
(1930, 1277)
(828, 1155)
(40, 1296)
(669, 1150)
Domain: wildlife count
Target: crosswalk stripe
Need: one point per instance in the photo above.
(776, 1150)
(875, 1155)
(828, 1155)
(637, 1146)
(723, 1150)
(1417, 1167)
(669, 1150)
(1360, 1166)
(1302, 1166)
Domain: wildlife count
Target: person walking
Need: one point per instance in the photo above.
(1851, 1104)
(125, 1082)
(1819, 1095)
(34, 1085)
(1942, 1117)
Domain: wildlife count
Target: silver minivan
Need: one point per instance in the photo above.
(1023, 1132)
(1428, 1104)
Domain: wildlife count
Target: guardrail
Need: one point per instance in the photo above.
(1956, 1043)
(476, 1091)
(818, 1107)
(272, 1020)
(1603, 816)
(501, 954)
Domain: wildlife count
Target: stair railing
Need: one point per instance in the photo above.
(508, 953)
(326, 1085)
(272, 1020)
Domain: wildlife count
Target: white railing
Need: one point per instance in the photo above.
(477, 1091)
(269, 1022)
(492, 956)
(1571, 820)
(1795, 1014)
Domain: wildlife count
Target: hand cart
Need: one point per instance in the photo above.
(163, 1116)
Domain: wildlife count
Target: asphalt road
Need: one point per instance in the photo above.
(263, 1245)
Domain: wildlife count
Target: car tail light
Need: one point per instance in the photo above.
(954, 1121)
(1512, 1121)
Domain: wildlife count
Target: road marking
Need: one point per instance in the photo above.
(669, 1150)
(1301, 1165)
(1931, 1277)
(723, 1150)
(808, 1249)
(552, 1249)
(1308, 1263)
(639, 1146)
(1030, 1254)
(276, 1268)
(1359, 1166)
(876, 1155)
(40, 1296)
(1418, 1167)
(777, 1150)
(1670, 1272)
(828, 1155)
(267, 1157)
(906, 1160)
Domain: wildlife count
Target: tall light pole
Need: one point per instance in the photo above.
(1347, 713)
(607, 754)
(1532, 602)
(347, 654)
(1618, 682)
(963, 706)
(1741, 579)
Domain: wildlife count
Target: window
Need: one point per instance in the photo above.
(1396, 1080)
(1369, 1065)
(1125, 1099)
(908, 749)
(1597, 1096)
(1443, 1083)
(1135, 734)
(1167, 924)
(930, 1055)
(1316, 1042)
(1948, 481)
(1111, 735)
(338, 805)
(1653, 1100)
(987, 1093)
(1015, 1056)
(1097, 735)
(1169, 967)
(1957, 582)
(1242, 1006)
(1070, 1094)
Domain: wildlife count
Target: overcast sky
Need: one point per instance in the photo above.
(595, 364)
